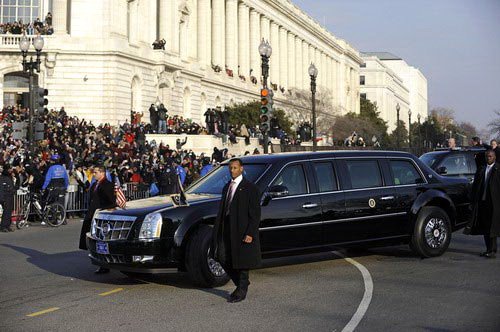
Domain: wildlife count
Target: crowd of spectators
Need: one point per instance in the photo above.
(80, 145)
(32, 28)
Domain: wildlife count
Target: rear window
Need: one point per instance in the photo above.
(431, 159)
(364, 173)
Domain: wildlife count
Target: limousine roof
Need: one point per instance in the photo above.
(291, 156)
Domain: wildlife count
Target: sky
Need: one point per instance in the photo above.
(454, 43)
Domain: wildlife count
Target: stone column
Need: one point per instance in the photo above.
(305, 65)
(232, 35)
(329, 76)
(291, 61)
(275, 57)
(166, 18)
(299, 77)
(218, 25)
(244, 39)
(60, 16)
(265, 29)
(283, 57)
(323, 68)
(203, 36)
(255, 33)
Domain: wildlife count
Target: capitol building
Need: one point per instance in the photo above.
(100, 63)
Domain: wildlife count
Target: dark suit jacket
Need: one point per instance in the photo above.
(487, 221)
(102, 198)
(244, 216)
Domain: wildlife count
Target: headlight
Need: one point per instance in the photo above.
(151, 227)
(93, 228)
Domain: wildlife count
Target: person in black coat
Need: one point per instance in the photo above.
(485, 207)
(235, 242)
(7, 191)
(102, 196)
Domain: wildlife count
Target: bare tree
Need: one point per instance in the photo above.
(299, 108)
(494, 126)
(444, 116)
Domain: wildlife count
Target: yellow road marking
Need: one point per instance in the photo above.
(111, 292)
(38, 313)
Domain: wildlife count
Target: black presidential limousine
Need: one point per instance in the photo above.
(309, 201)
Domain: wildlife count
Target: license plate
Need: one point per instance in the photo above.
(102, 248)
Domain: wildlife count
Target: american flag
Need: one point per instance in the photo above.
(121, 201)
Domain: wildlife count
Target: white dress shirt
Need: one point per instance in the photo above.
(233, 186)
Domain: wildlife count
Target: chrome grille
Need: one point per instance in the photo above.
(113, 227)
(111, 258)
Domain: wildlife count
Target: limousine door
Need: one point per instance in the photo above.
(369, 203)
(291, 221)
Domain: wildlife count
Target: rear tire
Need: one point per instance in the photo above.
(202, 270)
(432, 232)
(55, 214)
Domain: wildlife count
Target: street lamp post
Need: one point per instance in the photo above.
(313, 73)
(30, 67)
(398, 108)
(409, 129)
(419, 145)
(265, 51)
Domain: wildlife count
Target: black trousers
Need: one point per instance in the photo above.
(8, 206)
(491, 243)
(240, 277)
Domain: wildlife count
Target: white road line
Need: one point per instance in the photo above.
(367, 296)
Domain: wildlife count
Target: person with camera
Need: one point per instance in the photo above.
(7, 192)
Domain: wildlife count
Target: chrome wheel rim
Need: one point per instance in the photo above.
(215, 267)
(435, 232)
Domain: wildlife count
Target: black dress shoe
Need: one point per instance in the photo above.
(101, 270)
(238, 297)
(233, 295)
(4, 230)
(483, 254)
(490, 255)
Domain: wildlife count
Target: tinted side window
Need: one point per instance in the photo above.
(455, 164)
(472, 162)
(364, 173)
(326, 177)
(294, 179)
(404, 172)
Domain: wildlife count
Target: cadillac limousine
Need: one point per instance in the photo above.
(309, 201)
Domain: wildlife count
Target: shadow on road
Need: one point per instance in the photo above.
(73, 264)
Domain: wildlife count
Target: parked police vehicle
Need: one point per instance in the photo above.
(458, 162)
(309, 201)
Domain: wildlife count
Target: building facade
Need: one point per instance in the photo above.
(100, 63)
(388, 80)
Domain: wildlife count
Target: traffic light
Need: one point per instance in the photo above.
(40, 100)
(266, 109)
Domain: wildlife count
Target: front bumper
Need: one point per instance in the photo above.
(153, 256)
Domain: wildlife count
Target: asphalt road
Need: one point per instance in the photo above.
(43, 274)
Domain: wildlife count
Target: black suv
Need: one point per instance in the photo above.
(458, 162)
(309, 200)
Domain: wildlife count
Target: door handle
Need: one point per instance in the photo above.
(309, 205)
(387, 198)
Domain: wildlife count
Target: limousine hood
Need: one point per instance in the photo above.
(145, 206)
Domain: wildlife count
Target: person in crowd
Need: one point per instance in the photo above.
(480, 156)
(239, 210)
(162, 119)
(7, 192)
(102, 196)
(452, 143)
(495, 148)
(56, 181)
(206, 166)
(153, 116)
(486, 210)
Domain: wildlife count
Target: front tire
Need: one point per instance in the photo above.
(202, 270)
(432, 233)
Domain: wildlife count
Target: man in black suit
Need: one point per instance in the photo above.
(236, 243)
(102, 196)
(486, 210)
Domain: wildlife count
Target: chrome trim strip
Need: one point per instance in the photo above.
(114, 217)
(333, 221)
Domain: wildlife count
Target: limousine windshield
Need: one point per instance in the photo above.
(214, 182)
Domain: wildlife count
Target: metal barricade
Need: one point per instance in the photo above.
(77, 200)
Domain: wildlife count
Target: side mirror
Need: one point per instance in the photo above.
(442, 170)
(278, 191)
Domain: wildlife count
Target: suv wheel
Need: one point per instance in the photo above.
(432, 233)
(202, 270)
